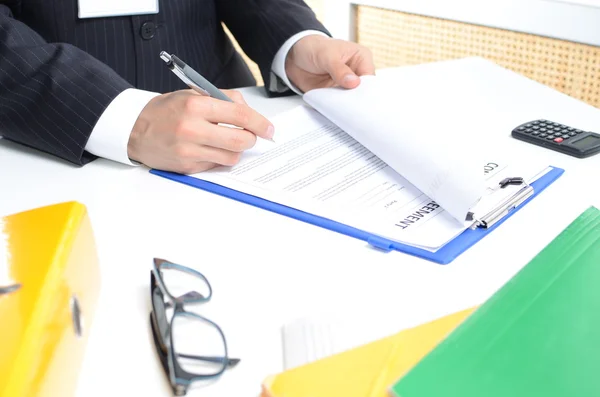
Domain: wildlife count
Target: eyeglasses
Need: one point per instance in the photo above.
(191, 347)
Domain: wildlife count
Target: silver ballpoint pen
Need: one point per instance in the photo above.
(192, 78)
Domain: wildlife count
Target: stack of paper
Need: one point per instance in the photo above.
(315, 337)
(366, 371)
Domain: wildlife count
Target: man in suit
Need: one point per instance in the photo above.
(80, 81)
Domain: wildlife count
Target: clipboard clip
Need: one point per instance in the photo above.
(489, 219)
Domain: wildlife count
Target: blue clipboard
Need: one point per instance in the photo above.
(443, 256)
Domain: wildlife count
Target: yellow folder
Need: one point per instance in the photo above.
(49, 285)
(366, 371)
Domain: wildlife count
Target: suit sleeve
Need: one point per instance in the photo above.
(261, 27)
(51, 94)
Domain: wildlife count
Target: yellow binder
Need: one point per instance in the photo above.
(366, 371)
(50, 252)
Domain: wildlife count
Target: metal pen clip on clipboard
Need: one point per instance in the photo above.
(489, 219)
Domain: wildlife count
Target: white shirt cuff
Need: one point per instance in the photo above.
(278, 66)
(110, 136)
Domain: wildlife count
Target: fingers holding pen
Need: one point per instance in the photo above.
(180, 132)
(236, 113)
(239, 115)
(235, 140)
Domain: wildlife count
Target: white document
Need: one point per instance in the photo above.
(111, 8)
(312, 338)
(424, 150)
(318, 168)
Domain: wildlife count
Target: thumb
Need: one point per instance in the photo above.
(342, 75)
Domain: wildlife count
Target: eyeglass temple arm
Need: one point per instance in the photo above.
(230, 361)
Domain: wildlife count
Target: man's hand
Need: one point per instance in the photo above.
(178, 132)
(318, 61)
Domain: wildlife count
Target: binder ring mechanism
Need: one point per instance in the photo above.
(9, 289)
(492, 217)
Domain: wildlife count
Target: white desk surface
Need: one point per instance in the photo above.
(267, 269)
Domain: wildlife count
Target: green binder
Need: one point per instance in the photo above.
(539, 335)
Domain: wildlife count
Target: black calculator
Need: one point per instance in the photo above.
(559, 137)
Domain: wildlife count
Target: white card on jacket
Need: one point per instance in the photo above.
(113, 8)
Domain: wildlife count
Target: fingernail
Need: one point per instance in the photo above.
(350, 78)
(270, 132)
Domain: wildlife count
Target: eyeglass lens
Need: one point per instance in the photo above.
(198, 345)
(184, 285)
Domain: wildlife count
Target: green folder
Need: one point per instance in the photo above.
(538, 335)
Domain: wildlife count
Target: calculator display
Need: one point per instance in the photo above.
(588, 140)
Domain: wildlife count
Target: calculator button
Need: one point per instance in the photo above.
(535, 122)
(557, 128)
(572, 133)
(535, 133)
(543, 130)
(565, 136)
(521, 129)
(543, 135)
(571, 129)
(550, 137)
(578, 131)
(535, 127)
(558, 140)
(528, 131)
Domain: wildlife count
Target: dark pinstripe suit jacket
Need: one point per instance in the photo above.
(58, 73)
